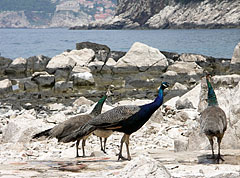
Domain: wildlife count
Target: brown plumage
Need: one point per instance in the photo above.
(213, 121)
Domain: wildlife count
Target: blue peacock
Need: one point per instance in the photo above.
(127, 119)
(213, 120)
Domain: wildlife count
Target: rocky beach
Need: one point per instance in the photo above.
(39, 92)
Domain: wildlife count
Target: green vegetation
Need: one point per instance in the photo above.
(27, 5)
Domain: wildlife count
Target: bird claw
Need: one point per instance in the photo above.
(219, 157)
(123, 158)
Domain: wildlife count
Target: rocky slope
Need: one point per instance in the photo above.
(162, 14)
(58, 13)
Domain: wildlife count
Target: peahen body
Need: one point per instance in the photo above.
(213, 120)
(67, 127)
(126, 119)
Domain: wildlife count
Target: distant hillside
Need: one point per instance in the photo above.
(161, 14)
(53, 13)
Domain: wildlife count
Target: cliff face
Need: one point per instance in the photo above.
(53, 13)
(161, 14)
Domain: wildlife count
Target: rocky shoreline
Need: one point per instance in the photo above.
(39, 92)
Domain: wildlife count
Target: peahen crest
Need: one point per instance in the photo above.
(212, 99)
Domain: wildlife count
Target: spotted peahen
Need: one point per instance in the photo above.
(67, 127)
(213, 120)
(126, 119)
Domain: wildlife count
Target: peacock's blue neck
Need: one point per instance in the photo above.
(98, 107)
(212, 99)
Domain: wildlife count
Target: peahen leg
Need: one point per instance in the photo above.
(219, 139)
(211, 143)
(83, 144)
(104, 147)
(77, 143)
(100, 138)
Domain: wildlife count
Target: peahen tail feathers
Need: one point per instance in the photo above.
(43, 133)
(78, 134)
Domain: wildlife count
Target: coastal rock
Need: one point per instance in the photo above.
(82, 57)
(186, 57)
(141, 58)
(189, 68)
(37, 63)
(5, 86)
(43, 79)
(83, 79)
(62, 86)
(18, 65)
(102, 52)
(183, 104)
(179, 86)
(4, 63)
(61, 61)
(29, 85)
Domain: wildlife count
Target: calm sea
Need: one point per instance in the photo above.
(50, 42)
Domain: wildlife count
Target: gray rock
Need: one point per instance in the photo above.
(186, 57)
(189, 68)
(4, 63)
(18, 65)
(37, 63)
(43, 79)
(62, 86)
(82, 79)
(184, 104)
(5, 86)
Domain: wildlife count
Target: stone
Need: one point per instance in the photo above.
(183, 104)
(30, 86)
(179, 86)
(56, 118)
(18, 65)
(62, 86)
(5, 86)
(61, 61)
(186, 57)
(37, 63)
(102, 52)
(141, 58)
(189, 68)
(43, 79)
(236, 54)
(82, 101)
(82, 57)
(83, 79)
(4, 63)
(144, 166)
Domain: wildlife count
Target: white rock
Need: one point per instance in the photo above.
(236, 54)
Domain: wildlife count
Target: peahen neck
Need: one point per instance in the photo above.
(98, 107)
(212, 99)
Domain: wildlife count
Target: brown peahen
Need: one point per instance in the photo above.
(213, 120)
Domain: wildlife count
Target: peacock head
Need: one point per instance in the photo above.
(109, 92)
(208, 76)
(164, 85)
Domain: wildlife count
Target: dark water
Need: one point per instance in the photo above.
(50, 42)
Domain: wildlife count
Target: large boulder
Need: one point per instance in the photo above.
(37, 63)
(4, 63)
(102, 52)
(83, 79)
(82, 57)
(189, 68)
(62, 61)
(19, 65)
(140, 58)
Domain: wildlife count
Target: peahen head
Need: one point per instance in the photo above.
(212, 99)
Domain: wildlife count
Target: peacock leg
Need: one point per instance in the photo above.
(127, 147)
(120, 152)
(77, 143)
